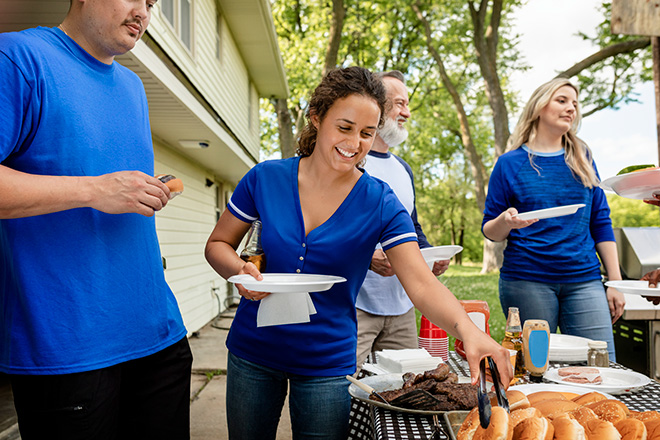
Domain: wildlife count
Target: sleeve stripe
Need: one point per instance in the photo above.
(399, 237)
(247, 217)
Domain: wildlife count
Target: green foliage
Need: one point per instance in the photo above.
(385, 35)
(466, 283)
(632, 213)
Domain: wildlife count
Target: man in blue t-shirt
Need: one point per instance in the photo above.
(386, 316)
(90, 334)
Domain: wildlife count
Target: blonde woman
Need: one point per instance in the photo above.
(551, 268)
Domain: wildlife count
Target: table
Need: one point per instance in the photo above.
(370, 422)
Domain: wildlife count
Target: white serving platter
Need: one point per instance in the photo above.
(557, 211)
(634, 287)
(638, 185)
(615, 381)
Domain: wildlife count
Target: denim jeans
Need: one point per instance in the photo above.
(319, 406)
(579, 309)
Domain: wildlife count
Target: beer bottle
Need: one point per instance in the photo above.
(253, 251)
(513, 340)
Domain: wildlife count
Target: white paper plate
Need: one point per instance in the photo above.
(568, 348)
(615, 381)
(634, 287)
(637, 185)
(287, 282)
(557, 211)
(536, 387)
(436, 253)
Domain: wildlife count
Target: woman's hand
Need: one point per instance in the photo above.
(617, 302)
(479, 345)
(498, 229)
(252, 295)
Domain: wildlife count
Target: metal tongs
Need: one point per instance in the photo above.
(484, 400)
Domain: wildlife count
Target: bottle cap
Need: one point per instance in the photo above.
(597, 344)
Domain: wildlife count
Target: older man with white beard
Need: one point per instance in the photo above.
(385, 314)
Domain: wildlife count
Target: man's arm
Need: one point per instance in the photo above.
(26, 195)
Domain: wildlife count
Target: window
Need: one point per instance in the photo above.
(178, 14)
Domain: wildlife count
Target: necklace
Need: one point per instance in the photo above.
(62, 29)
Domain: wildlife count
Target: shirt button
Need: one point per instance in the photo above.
(304, 245)
(298, 270)
(301, 258)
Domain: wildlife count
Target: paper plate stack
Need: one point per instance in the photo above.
(567, 348)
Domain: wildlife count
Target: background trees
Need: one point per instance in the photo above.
(458, 56)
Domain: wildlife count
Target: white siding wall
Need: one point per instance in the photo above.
(183, 227)
(224, 83)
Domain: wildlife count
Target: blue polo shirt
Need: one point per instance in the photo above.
(342, 246)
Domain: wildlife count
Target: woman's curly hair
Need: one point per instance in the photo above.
(338, 84)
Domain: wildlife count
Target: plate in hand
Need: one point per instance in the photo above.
(557, 211)
(634, 287)
(287, 282)
(638, 185)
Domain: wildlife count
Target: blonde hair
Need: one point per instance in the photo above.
(577, 154)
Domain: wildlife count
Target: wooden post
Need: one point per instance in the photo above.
(655, 44)
(642, 17)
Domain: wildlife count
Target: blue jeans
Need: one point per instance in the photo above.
(579, 309)
(319, 406)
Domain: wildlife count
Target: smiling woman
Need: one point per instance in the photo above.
(321, 214)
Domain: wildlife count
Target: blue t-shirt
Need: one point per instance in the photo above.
(342, 246)
(552, 250)
(79, 289)
(381, 295)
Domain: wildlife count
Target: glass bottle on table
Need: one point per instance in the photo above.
(513, 340)
(253, 252)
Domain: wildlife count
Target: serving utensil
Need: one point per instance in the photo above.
(366, 388)
(485, 409)
(482, 397)
(414, 399)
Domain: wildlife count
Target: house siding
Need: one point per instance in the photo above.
(183, 227)
(224, 83)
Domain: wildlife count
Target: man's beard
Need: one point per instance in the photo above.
(392, 134)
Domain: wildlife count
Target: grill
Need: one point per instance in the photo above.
(637, 332)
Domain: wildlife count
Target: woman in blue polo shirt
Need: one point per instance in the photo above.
(551, 268)
(321, 214)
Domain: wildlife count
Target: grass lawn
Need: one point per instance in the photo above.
(467, 283)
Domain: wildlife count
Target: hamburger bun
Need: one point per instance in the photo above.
(517, 400)
(610, 409)
(519, 415)
(583, 415)
(175, 185)
(534, 428)
(588, 398)
(539, 396)
(469, 425)
(499, 428)
(554, 408)
(631, 429)
(597, 429)
(644, 416)
(652, 429)
(567, 428)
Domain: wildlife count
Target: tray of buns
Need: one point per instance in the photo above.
(540, 410)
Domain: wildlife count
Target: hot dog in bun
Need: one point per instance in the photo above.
(175, 185)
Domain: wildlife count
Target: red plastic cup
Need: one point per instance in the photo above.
(433, 339)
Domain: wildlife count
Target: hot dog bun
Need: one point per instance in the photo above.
(175, 185)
